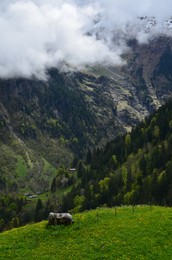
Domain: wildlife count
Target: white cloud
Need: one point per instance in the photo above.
(39, 34)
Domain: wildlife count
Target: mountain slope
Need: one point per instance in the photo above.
(48, 123)
(132, 169)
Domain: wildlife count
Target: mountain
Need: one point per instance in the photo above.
(44, 124)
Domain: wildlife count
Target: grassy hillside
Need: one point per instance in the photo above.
(99, 234)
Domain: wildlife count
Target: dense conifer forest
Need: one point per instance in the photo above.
(133, 169)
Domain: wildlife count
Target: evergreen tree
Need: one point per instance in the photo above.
(53, 185)
(15, 222)
(39, 211)
(88, 156)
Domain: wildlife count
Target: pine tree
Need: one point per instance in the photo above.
(39, 211)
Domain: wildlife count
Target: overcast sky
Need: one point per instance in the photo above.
(38, 34)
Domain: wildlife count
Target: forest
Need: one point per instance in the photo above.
(133, 169)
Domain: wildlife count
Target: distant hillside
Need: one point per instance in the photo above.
(121, 233)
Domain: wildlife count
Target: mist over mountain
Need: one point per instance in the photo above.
(70, 35)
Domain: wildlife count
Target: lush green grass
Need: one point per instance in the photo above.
(98, 234)
(21, 168)
(49, 167)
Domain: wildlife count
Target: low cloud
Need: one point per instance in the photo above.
(39, 34)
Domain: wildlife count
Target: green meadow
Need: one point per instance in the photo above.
(142, 232)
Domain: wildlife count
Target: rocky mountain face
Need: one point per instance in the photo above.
(46, 124)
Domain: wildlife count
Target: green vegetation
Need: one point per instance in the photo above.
(121, 233)
(21, 168)
(11, 211)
